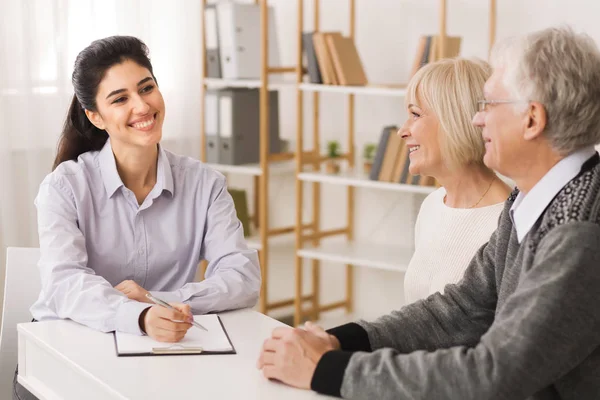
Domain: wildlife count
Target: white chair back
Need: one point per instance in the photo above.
(21, 289)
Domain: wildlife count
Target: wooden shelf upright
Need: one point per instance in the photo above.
(269, 163)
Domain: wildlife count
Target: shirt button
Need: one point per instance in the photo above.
(141, 252)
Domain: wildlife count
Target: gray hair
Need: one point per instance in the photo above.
(560, 69)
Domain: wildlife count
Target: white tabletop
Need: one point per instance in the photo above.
(64, 360)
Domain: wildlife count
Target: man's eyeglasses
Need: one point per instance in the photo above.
(482, 105)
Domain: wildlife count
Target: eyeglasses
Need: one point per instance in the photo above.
(482, 105)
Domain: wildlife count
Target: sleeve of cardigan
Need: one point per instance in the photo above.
(555, 306)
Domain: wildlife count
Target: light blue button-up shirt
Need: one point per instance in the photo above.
(94, 235)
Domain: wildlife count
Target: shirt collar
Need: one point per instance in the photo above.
(108, 169)
(527, 209)
(112, 180)
(164, 174)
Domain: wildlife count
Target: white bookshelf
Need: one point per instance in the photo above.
(358, 90)
(360, 179)
(361, 253)
(275, 168)
(217, 83)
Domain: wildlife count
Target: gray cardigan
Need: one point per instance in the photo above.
(523, 323)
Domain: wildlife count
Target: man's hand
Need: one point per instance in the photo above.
(133, 291)
(317, 330)
(166, 325)
(291, 355)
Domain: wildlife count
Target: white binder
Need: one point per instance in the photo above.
(211, 125)
(238, 28)
(211, 112)
(225, 117)
(212, 43)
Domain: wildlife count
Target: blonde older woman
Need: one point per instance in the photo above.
(459, 217)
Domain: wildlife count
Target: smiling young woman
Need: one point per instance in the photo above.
(120, 216)
(461, 215)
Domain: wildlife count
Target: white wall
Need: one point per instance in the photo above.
(387, 32)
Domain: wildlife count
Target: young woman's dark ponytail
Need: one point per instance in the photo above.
(79, 135)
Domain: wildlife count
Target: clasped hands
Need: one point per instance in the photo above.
(291, 355)
(160, 323)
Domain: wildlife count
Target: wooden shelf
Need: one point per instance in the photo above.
(216, 83)
(370, 90)
(275, 168)
(358, 90)
(361, 253)
(360, 179)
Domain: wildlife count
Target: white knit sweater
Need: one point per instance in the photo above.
(446, 239)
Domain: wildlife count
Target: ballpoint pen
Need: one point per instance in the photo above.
(167, 305)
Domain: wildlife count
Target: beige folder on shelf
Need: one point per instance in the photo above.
(390, 157)
(451, 47)
(420, 56)
(401, 160)
(346, 60)
(214, 340)
(324, 57)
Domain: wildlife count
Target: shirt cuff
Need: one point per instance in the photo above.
(352, 337)
(128, 316)
(169, 297)
(329, 374)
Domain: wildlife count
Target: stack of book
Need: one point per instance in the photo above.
(392, 161)
(333, 59)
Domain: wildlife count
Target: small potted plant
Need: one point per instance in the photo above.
(333, 153)
(368, 156)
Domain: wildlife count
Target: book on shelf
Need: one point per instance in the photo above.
(378, 160)
(392, 152)
(240, 202)
(312, 65)
(451, 47)
(401, 162)
(336, 59)
(428, 50)
(324, 58)
(346, 60)
(392, 161)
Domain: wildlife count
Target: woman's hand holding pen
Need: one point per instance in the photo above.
(160, 322)
(133, 291)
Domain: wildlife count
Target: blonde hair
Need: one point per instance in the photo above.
(450, 88)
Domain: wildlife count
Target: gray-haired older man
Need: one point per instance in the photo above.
(524, 322)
